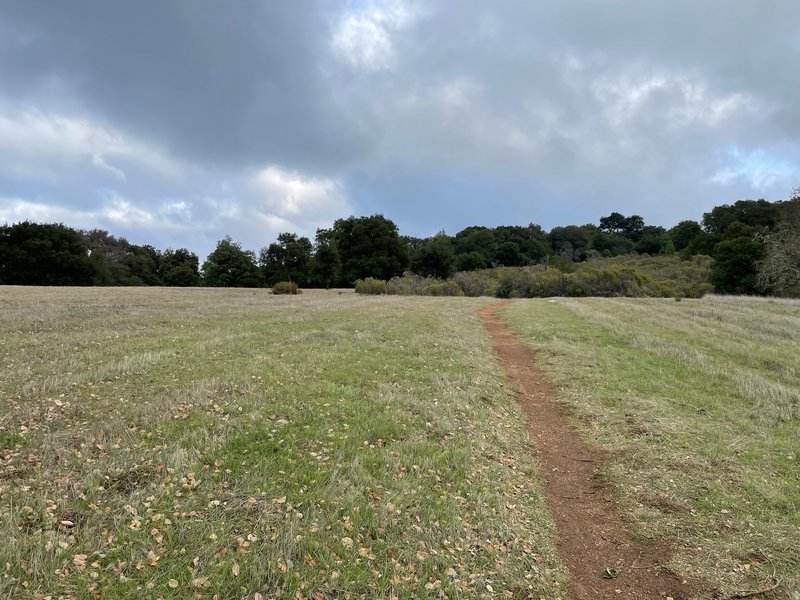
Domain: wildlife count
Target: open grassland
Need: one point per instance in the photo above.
(698, 404)
(164, 443)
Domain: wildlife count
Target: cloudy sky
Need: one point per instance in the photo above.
(176, 123)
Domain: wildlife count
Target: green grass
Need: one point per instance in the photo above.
(164, 443)
(698, 403)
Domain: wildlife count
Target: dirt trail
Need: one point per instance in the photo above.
(590, 535)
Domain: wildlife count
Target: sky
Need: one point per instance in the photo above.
(178, 123)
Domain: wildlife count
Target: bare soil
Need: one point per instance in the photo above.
(604, 560)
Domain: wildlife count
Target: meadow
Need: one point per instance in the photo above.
(193, 443)
(697, 404)
(200, 443)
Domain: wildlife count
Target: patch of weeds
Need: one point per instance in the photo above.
(126, 481)
(10, 440)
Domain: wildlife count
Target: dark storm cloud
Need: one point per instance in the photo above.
(224, 82)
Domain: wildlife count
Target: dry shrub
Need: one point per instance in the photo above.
(370, 285)
(286, 287)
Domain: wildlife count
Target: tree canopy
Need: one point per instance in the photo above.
(42, 254)
(288, 259)
(368, 247)
(754, 245)
(180, 268)
(230, 266)
(435, 257)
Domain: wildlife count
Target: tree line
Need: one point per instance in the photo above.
(54, 254)
(754, 244)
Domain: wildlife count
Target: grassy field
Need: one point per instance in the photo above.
(163, 443)
(698, 404)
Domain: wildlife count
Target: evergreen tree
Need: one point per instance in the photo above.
(179, 268)
(435, 258)
(325, 265)
(368, 247)
(288, 259)
(230, 266)
(44, 254)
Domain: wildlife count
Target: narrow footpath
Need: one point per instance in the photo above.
(603, 559)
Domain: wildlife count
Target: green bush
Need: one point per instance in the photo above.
(550, 282)
(443, 288)
(632, 276)
(563, 263)
(577, 286)
(697, 290)
(505, 288)
(371, 286)
(286, 287)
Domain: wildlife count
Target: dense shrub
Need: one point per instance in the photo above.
(562, 263)
(370, 286)
(505, 287)
(550, 282)
(414, 285)
(407, 285)
(286, 287)
(476, 283)
(632, 276)
(443, 288)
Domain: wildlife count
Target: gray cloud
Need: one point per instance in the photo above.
(179, 122)
(217, 82)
